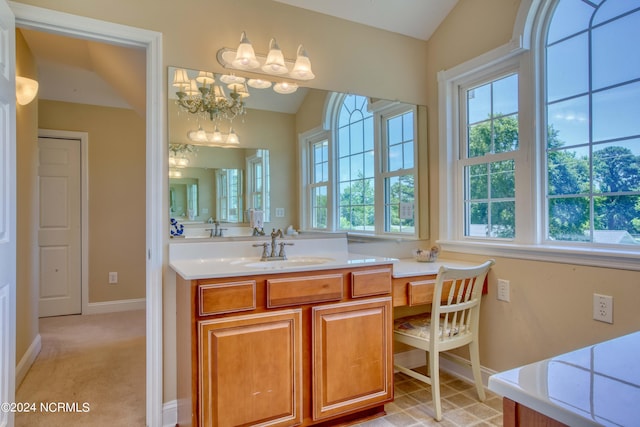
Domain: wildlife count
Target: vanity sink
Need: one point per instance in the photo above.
(291, 262)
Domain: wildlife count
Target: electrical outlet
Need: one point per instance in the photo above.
(503, 290)
(603, 308)
(279, 212)
(113, 277)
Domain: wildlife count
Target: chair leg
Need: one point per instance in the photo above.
(434, 366)
(474, 354)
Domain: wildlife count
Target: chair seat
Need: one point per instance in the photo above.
(419, 326)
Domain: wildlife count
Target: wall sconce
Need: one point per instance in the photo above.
(273, 64)
(26, 90)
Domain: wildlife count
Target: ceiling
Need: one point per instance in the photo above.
(413, 18)
(83, 71)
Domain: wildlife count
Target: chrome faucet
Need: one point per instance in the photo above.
(273, 255)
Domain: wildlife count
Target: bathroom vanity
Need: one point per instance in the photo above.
(304, 341)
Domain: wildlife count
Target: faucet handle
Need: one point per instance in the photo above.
(265, 249)
(282, 245)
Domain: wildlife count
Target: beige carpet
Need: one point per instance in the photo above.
(90, 372)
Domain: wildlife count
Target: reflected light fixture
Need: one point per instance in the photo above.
(285, 88)
(273, 64)
(202, 96)
(26, 90)
(213, 138)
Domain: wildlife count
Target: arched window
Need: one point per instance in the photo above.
(592, 102)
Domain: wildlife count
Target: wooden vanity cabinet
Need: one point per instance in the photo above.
(284, 349)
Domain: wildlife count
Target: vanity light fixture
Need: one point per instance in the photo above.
(274, 64)
(285, 88)
(215, 138)
(26, 90)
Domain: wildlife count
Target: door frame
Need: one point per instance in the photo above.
(56, 22)
(83, 140)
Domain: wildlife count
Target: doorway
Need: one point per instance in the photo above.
(75, 26)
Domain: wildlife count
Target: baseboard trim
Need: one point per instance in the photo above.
(170, 414)
(27, 360)
(114, 306)
(450, 363)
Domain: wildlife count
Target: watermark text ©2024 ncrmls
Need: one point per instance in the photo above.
(46, 407)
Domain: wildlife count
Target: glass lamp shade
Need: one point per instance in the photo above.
(26, 90)
(275, 60)
(218, 93)
(231, 78)
(232, 138)
(173, 173)
(192, 90)
(259, 83)
(205, 77)
(181, 79)
(302, 68)
(285, 88)
(245, 56)
(217, 136)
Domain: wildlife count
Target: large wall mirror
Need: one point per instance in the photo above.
(260, 171)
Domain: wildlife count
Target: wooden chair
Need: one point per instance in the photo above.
(453, 322)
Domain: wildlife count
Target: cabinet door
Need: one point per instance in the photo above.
(250, 370)
(352, 356)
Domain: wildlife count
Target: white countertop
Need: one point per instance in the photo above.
(592, 386)
(407, 267)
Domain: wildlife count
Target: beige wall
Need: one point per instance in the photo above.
(27, 218)
(117, 176)
(550, 309)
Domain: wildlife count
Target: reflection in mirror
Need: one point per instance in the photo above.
(183, 198)
(267, 153)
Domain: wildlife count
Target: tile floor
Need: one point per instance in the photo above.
(460, 405)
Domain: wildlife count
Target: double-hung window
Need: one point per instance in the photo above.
(360, 175)
(540, 142)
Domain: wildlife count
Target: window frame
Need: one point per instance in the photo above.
(527, 56)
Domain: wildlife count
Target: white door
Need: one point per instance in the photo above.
(7, 211)
(59, 229)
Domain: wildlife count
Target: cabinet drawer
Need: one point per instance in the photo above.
(370, 282)
(217, 298)
(421, 292)
(304, 290)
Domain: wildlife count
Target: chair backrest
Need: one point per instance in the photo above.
(456, 302)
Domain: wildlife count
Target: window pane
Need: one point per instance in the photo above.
(344, 168)
(407, 151)
(616, 167)
(395, 158)
(611, 9)
(479, 103)
(568, 122)
(478, 178)
(616, 112)
(319, 207)
(503, 179)
(394, 130)
(615, 51)
(568, 68)
(503, 219)
(617, 219)
(505, 134)
(569, 219)
(568, 171)
(368, 134)
(480, 139)
(505, 96)
(478, 220)
(369, 170)
(570, 17)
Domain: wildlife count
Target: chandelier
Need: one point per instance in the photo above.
(205, 97)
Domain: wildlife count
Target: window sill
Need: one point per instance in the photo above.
(364, 238)
(622, 259)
